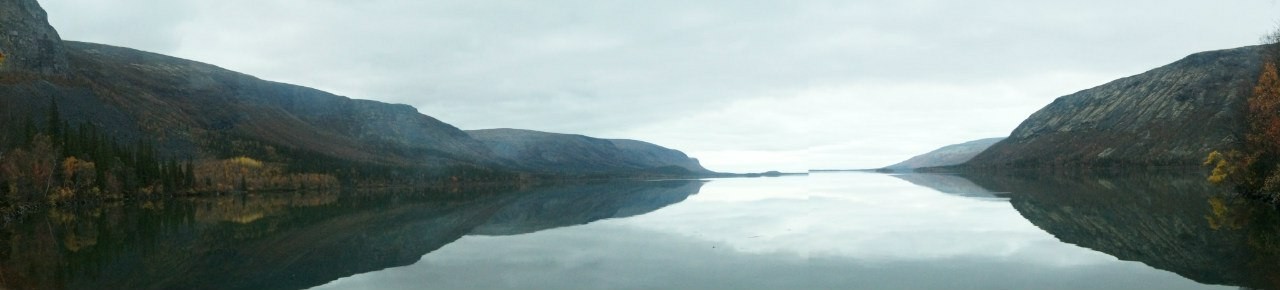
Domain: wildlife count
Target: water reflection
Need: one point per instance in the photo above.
(825, 231)
(290, 240)
(543, 209)
(949, 184)
(1171, 220)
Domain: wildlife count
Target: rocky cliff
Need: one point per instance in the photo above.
(577, 154)
(1172, 115)
(945, 156)
(27, 42)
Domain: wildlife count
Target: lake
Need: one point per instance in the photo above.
(823, 231)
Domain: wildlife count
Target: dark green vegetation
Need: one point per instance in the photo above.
(82, 120)
(58, 162)
(292, 240)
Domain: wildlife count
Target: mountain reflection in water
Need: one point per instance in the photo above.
(290, 240)
(1173, 221)
(830, 231)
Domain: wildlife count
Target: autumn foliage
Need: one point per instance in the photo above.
(244, 174)
(1264, 112)
(1256, 169)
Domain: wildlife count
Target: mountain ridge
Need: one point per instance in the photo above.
(188, 110)
(949, 155)
(1173, 115)
(579, 154)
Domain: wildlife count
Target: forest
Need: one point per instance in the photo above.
(50, 162)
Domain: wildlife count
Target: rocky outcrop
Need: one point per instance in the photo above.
(577, 154)
(946, 156)
(27, 42)
(1173, 115)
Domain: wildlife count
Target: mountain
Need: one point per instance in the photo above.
(185, 103)
(945, 156)
(188, 110)
(577, 154)
(1172, 115)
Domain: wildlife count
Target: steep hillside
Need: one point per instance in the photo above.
(577, 154)
(194, 110)
(1173, 115)
(186, 110)
(185, 102)
(945, 156)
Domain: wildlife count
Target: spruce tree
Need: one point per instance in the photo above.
(55, 120)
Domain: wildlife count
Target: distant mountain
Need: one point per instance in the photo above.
(945, 156)
(1172, 115)
(188, 110)
(577, 154)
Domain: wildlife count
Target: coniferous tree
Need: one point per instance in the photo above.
(28, 131)
(191, 175)
(55, 120)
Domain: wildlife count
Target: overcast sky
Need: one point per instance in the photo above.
(741, 85)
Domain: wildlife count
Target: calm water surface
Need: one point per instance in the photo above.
(824, 231)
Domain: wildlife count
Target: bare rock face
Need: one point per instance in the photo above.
(1169, 116)
(27, 41)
